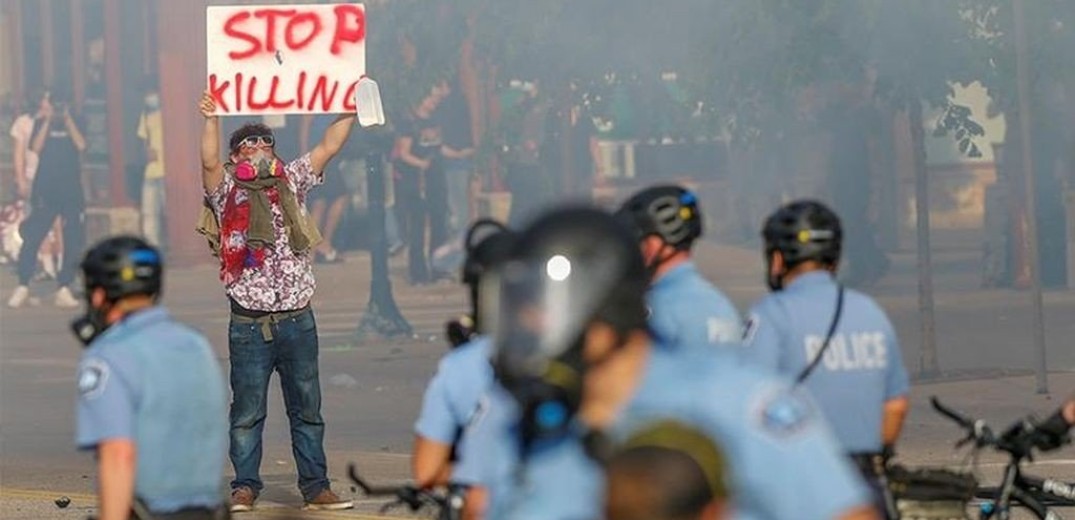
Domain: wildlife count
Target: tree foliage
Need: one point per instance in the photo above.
(741, 66)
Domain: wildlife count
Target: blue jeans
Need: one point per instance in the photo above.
(153, 211)
(288, 346)
(457, 176)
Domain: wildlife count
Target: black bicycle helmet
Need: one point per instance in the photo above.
(670, 212)
(123, 266)
(804, 230)
(487, 243)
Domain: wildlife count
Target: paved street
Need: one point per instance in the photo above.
(371, 392)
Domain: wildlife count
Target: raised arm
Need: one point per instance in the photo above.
(333, 141)
(76, 134)
(21, 182)
(38, 143)
(212, 169)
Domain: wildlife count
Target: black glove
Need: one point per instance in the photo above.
(1052, 433)
(887, 452)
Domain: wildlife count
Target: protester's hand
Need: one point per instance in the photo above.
(151, 155)
(24, 190)
(207, 105)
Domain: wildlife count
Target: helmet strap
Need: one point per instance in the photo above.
(775, 281)
(663, 256)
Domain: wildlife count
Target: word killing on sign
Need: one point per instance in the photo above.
(307, 49)
(323, 92)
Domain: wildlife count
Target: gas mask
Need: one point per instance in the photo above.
(549, 402)
(262, 163)
(90, 325)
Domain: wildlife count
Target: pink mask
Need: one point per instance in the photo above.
(245, 172)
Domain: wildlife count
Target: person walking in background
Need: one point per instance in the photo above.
(417, 144)
(150, 131)
(457, 155)
(25, 162)
(57, 191)
(525, 164)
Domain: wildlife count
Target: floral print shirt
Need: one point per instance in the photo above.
(284, 281)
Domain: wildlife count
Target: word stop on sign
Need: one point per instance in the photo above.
(285, 59)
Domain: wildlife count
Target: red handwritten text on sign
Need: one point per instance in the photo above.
(285, 59)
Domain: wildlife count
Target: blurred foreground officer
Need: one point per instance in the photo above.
(668, 471)
(685, 309)
(465, 373)
(836, 342)
(577, 367)
(151, 399)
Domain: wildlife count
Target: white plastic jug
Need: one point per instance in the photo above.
(368, 103)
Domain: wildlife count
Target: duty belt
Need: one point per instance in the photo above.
(267, 320)
(872, 464)
(869, 462)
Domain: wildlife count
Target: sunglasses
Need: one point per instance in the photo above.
(258, 140)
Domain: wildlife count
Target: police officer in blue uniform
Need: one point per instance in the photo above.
(685, 309)
(836, 342)
(152, 402)
(577, 370)
(465, 373)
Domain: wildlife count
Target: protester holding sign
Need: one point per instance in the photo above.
(274, 60)
(265, 242)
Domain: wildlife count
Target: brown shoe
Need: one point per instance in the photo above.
(242, 499)
(326, 500)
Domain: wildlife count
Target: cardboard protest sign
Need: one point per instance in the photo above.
(285, 59)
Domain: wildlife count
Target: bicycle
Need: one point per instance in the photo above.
(447, 505)
(1038, 495)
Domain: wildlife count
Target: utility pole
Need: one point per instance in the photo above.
(1023, 89)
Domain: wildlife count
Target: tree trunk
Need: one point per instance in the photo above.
(887, 186)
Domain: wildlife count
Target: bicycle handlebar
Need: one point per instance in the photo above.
(409, 495)
(1018, 440)
(977, 429)
(963, 421)
(369, 490)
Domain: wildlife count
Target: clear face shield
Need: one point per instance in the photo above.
(537, 311)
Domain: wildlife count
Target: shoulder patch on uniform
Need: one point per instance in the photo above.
(750, 327)
(92, 378)
(782, 413)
